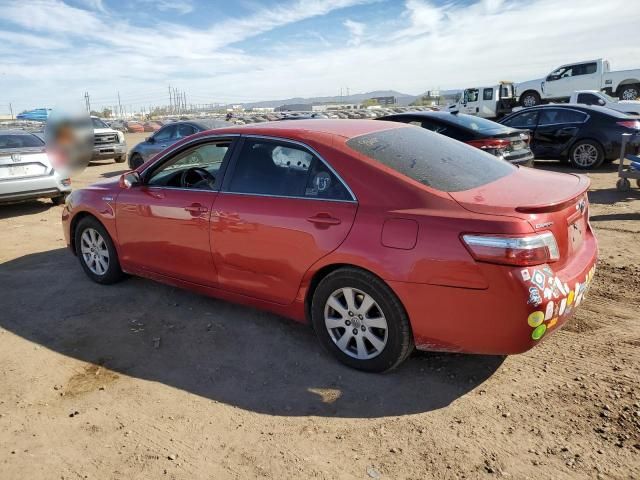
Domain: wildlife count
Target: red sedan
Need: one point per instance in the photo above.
(384, 236)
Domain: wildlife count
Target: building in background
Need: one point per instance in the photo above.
(385, 101)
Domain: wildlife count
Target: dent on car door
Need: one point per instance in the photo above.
(280, 210)
(163, 224)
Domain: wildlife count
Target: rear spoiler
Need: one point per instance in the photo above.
(583, 186)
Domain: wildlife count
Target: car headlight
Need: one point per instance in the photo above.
(120, 137)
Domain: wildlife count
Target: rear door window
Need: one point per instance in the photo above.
(523, 120)
(269, 167)
(554, 116)
(431, 159)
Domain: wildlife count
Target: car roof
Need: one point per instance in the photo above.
(301, 128)
(580, 107)
(15, 131)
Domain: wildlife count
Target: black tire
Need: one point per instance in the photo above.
(399, 338)
(113, 272)
(60, 199)
(576, 153)
(120, 159)
(135, 161)
(530, 99)
(629, 92)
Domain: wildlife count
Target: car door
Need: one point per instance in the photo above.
(557, 127)
(163, 224)
(281, 209)
(564, 81)
(162, 139)
(488, 104)
(471, 104)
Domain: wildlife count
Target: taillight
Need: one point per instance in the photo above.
(632, 124)
(490, 143)
(524, 250)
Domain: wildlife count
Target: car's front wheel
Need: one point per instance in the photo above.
(96, 252)
(120, 159)
(359, 319)
(530, 99)
(586, 154)
(135, 161)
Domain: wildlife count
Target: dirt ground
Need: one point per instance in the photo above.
(142, 380)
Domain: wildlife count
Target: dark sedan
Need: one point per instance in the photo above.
(168, 135)
(584, 135)
(507, 143)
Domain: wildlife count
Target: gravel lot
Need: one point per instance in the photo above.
(142, 380)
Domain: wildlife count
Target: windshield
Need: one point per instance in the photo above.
(431, 159)
(97, 123)
(19, 140)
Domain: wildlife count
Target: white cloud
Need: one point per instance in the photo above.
(181, 7)
(356, 30)
(427, 46)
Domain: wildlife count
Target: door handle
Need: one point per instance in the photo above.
(324, 219)
(196, 209)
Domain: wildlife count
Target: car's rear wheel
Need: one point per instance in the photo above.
(586, 154)
(530, 99)
(135, 161)
(96, 252)
(359, 319)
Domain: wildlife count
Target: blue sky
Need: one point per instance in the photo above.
(236, 51)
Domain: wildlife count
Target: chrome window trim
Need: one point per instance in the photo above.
(586, 116)
(266, 195)
(354, 199)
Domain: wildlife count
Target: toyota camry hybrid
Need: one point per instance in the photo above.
(384, 236)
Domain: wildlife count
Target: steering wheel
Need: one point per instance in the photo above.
(187, 180)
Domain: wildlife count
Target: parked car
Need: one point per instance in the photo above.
(107, 142)
(26, 172)
(589, 75)
(593, 97)
(382, 235)
(503, 142)
(167, 136)
(586, 136)
(134, 127)
(486, 102)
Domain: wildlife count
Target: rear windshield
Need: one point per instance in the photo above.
(19, 140)
(431, 159)
(474, 123)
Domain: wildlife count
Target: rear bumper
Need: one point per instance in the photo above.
(45, 186)
(508, 317)
(109, 151)
(522, 159)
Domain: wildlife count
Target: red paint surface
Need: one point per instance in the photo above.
(264, 251)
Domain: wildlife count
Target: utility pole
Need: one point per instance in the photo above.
(11, 110)
(87, 102)
(119, 105)
(170, 104)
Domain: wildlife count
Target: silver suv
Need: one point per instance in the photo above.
(107, 142)
(26, 171)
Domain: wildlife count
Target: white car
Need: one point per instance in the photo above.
(25, 170)
(593, 97)
(589, 75)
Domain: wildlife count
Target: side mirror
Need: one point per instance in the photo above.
(130, 180)
(150, 139)
(601, 102)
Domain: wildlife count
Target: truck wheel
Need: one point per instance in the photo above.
(586, 154)
(120, 159)
(530, 99)
(60, 199)
(629, 92)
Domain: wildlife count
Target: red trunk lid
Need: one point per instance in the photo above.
(549, 201)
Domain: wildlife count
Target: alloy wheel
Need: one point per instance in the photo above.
(94, 251)
(529, 101)
(630, 94)
(585, 155)
(356, 323)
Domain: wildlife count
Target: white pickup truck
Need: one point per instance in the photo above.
(589, 75)
(594, 97)
(486, 102)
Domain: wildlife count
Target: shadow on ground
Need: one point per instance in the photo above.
(32, 207)
(224, 352)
